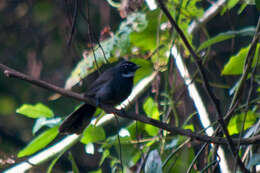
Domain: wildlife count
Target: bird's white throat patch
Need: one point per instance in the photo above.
(130, 74)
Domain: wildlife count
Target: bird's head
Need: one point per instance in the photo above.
(127, 68)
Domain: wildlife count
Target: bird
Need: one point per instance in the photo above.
(112, 87)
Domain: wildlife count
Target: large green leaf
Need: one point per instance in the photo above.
(249, 31)
(236, 63)
(93, 134)
(39, 142)
(35, 111)
(235, 124)
(151, 110)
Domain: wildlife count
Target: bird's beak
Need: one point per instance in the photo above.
(137, 67)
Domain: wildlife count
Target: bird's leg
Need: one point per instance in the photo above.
(97, 102)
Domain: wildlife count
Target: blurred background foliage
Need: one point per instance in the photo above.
(55, 40)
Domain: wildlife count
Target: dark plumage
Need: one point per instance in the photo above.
(112, 87)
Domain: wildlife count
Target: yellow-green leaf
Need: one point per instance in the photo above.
(236, 63)
(93, 134)
(39, 142)
(35, 111)
(235, 124)
(151, 110)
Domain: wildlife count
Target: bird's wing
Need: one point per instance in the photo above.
(105, 77)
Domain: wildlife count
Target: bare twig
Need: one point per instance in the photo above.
(74, 20)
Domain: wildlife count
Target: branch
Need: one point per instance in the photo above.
(206, 86)
(132, 116)
(57, 148)
(45, 155)
(247, 66)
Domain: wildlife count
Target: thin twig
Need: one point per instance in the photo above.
(120, 147)
(196, 157)
(74, 20)
(206, 86)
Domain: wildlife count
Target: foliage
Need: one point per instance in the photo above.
(39, 142)
(245, 120)
(36, 111)
(146, 38)
(93, 134)
(236, 63)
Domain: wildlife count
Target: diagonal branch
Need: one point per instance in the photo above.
(132, 116)
(206, 86)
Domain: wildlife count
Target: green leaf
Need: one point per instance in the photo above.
(135, 128)
(241, 9)
(93, 134)
(235, 124)
(75, 168)
(97, 171)
(35, 111)
(136, 157)
(151, 110)
(39, 142)
(186, 11)
(128, 152)
(151, 130)
(153, 163)
(231, 3)
(249, 31)
(146, 39)
(236, 63)
(189, 126)
(145, 70)
(105, 154)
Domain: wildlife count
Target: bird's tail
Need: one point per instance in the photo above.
(77, 120)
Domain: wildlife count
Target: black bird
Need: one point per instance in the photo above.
(112, 87)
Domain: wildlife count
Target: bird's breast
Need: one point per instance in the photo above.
(121, 89)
